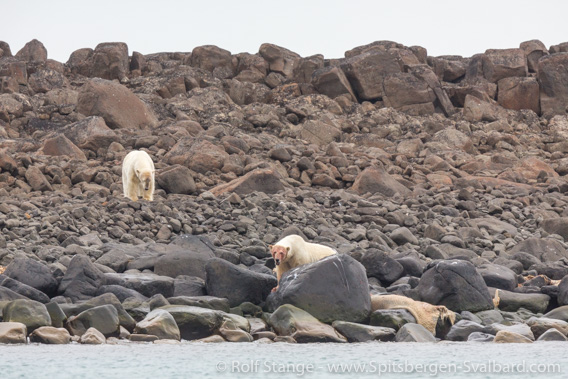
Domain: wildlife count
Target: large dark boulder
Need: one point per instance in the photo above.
(34, 274)
(289, 320)
(31, 313)
(236, 283)
(379, 265)
(334, 288)
(195, 322)
(553, 79)
(187, 255)
(105, 299)
(545, 249)
(455, 284)
(104, 318)
(146, 284)
(81, 280)
(563, 291)
(23, 289)
(498, 276)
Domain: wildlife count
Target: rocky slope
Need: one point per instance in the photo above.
(391, 156)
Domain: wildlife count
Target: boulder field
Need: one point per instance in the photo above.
(440, 179)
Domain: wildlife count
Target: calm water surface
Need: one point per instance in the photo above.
(281, 360)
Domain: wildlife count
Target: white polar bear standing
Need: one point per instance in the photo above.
(138, 175)
(292, 251)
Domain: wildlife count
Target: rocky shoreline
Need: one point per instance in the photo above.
(440, 179)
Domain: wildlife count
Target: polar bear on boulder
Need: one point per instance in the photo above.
(292, 251)
(138, 175)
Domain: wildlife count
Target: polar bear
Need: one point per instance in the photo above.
(138, 175)
(292, 251)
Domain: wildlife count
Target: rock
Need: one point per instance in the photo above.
(504, 336)
(534, 50)
(23, 289)
(183, 261)
(363, 333)
(498, 276)
(366, 72)
(455, 284)
(212, 57)
(92, 337)
(414, 333)
(120, 108)
(103, 318)
(46, 80)
(560, 313)
(110, 61)
(90, 133)
(480, 337)
(124, 318)
(280, 60)
(159, 323)
(475, 110)
(31, 313)
(563, 291)
(146, 284)
(176, 179)
(120, 292)
(544, 249)
(232, 333)
(556, 226)
(61, 145)
(462, 329)
(539, 325)
(521, 329)
(402, 236)
(334, 288)
(33, 51)
(237, 284)
(50, 335)
(7, 294)
(519, 93)
(195, 322)
(81, 280)
(513, 301)
(504, 63)
(331, 81)
(553, 92)
(320, 132)
(13, 332)
(405, 92)
(37, 180)
(57, 315)
(377, 180)
(552, 335)
(189, 286)
(391, 318)
(379, 265)
(210, 302)
(289, 320)
(261, 180)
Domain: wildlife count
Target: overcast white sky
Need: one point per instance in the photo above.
(328, 27)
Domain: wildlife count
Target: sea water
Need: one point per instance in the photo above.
(282, 360)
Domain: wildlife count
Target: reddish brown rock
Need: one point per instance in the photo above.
(331, 81)
(319, 132)
(503, 63)
(405, 92)
(534, 50)
(475, 109)
(366, 72)
(37, 180)
(110, 61)
(377, 180)
(61, 145)
(199, 155)
(90, 133)
(261, 180)
(43, 81)
(33, 51)
(553, 79)
(212, 58)
(280, 60)
(120, 108)
(519, 93)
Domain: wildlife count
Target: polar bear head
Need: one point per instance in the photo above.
(145, 177)
(279, 253)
